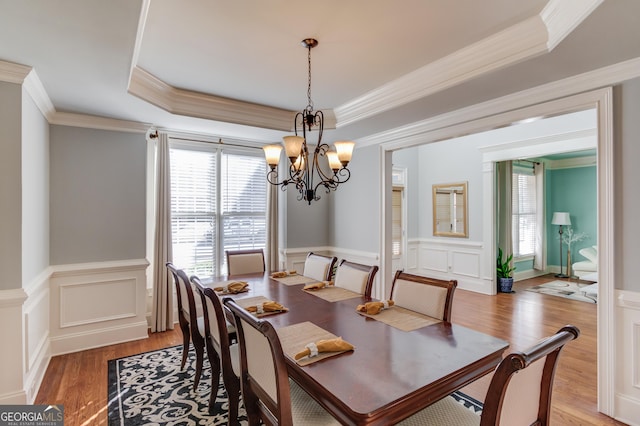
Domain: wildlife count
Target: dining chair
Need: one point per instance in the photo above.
(319, 267)
(429, 296)
(244, 261)
(220, 350)
(355, 277)
(191, 313)
(268, 393)
(519, 392)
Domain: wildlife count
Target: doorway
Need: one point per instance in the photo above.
(600, 100)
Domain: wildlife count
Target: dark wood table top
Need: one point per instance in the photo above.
(392, 373)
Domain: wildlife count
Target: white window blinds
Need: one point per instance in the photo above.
(218, 202)
(524, 213)
(396, 222)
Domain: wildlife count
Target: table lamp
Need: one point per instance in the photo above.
(561, 218)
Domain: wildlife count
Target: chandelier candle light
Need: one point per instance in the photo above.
(302, 171)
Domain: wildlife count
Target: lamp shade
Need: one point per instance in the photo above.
(272, 154)
(344, 150)
(561, 218)
(293, 146)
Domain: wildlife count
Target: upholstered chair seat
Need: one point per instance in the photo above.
(245, 261)
(428, 296)
(319, 267)
(519, 393)
(355, 277)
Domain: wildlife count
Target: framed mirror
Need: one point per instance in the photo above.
(450, 215)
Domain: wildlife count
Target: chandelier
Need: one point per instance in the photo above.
(326, 169)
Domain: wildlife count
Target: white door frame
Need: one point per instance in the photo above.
(601, 99)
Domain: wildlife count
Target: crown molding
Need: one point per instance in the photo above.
(416, 133)
(561, 17)
(514, 44)
(531, 37)
(571, 163)
(13, 73)
(96, 122)
(194, 104)
(36, 90)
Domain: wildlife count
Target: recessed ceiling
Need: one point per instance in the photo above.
(238, 69)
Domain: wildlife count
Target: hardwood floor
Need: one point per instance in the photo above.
(79, 380)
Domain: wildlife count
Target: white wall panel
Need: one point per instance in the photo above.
(434, 259)
(91, 302)
(627, 398)
(465, 263)
(97, 304)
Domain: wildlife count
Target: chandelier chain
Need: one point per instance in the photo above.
(309, 101)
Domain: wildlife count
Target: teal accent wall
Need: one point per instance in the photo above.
(572, 190)
(523, 265)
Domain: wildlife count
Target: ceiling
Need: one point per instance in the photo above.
(237, 68)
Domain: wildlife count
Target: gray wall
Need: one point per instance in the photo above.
(306, 225)
(356, 208)
(35, 191)
(10, 186)
(97, 195)
(627, 177)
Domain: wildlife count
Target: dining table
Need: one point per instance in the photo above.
(391, 373)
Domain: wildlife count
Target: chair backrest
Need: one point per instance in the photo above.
(265, 381)
(215, 321)
(520, 390)
(319, 267)
(184, 292)
(355, 277)
(429, 296)
(245, 261)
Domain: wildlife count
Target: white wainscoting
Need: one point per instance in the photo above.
(97, 304)
(450, 259)
(627, 395)
(12, 385)
(37, 349)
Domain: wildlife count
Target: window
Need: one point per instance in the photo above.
(218, 203)
(523, 212)
(396, 221)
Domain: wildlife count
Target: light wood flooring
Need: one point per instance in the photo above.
(79, 380)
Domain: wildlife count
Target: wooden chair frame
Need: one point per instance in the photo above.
(371, 270)
(182, 320)
(257, 402)
(512, 363)
(329, 259)
(198, 339)
(218, 353)
(450, 285)
(231, 253)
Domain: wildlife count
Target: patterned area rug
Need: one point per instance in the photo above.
(566, 289)
(149, 388)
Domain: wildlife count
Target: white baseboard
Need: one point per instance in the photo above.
(627, 410)
(96, 338)
(14, 398)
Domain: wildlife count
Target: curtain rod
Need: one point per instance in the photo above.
(220, 141)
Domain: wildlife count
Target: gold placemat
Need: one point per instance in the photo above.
(294, 280)
(217, 284)
(294, 338)
(245, 302)
(333, 293)
(403, 319)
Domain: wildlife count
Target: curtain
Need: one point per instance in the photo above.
(162, 304)
(272, 249)
(504, 175)
(540, 259)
